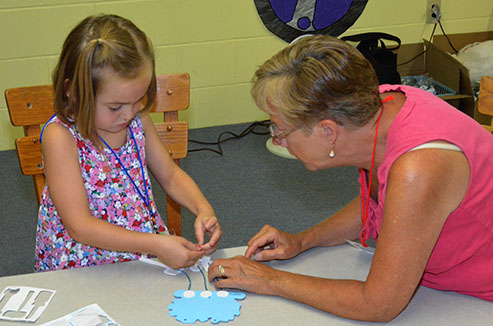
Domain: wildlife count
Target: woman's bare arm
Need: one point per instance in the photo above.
(424, 187)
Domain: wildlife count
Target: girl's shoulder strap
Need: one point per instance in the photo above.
(54, 119)
(50, 120)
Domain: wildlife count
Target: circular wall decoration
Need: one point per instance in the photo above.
(289, 19)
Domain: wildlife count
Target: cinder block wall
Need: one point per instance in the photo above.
(219, 42)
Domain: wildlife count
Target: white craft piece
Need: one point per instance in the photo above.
(189, 294)
(203, 262)
(205, 294)
(222, 294)
(167, 270)
(21, 306)
(171, 271)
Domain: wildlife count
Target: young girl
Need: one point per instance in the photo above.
(98, 206)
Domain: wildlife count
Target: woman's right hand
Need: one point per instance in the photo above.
(177, 252)
(271, 243)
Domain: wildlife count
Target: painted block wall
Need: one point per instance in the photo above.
(219, 42)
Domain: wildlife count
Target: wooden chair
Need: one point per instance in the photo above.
(485, 99)
(30, 107)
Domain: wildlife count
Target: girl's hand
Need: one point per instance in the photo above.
(209, 225)
(177, 252)
(243, 273)
(271, 243)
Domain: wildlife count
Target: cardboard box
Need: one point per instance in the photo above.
(444, 68)
(440, 66)
(459, 41)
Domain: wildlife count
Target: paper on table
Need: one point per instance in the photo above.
(88, 316)
(24, 303)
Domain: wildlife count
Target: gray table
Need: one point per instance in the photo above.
(135, 293)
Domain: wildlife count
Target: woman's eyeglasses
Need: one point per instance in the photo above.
(279, 135)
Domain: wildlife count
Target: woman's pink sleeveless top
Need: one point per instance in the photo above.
(462, 260)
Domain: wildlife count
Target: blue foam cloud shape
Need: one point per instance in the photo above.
(218, 306)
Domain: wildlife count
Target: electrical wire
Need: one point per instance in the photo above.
(203, 276)
(189, 280)
(423, 52)
(446, 36)
(439, 22)
(248, 130)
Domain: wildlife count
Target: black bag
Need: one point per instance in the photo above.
(383, 60)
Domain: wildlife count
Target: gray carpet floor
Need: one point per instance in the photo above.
(247, 186)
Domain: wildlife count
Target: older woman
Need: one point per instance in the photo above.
(426, 174)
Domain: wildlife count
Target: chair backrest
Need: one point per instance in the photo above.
(485, 99)
(30, 107)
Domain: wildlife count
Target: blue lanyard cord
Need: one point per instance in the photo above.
(146, 202)
(145, 199)
(43, 130)
(141, 171)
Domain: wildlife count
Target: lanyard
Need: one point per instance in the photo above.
(43, 130)
(145, 199)
(365, 203)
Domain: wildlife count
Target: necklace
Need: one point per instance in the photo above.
(365, 203)
(145, 199)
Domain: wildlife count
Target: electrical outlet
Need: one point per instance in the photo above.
(433, 11)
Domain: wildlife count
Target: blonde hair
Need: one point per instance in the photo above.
(97, 43)
(315, 78)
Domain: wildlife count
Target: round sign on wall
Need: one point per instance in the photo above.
(289, 19)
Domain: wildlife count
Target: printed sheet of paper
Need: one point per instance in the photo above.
(88, 316)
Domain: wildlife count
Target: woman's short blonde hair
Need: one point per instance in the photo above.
(315, 78)
(95, 44)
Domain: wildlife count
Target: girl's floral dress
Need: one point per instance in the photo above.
(111, 196)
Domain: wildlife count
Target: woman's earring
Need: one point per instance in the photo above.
(331, 153)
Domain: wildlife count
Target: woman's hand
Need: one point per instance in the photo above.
(242, 273)
(177, 252)
(210, 226)
(281, 245)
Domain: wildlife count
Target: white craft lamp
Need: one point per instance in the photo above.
(278, 150)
